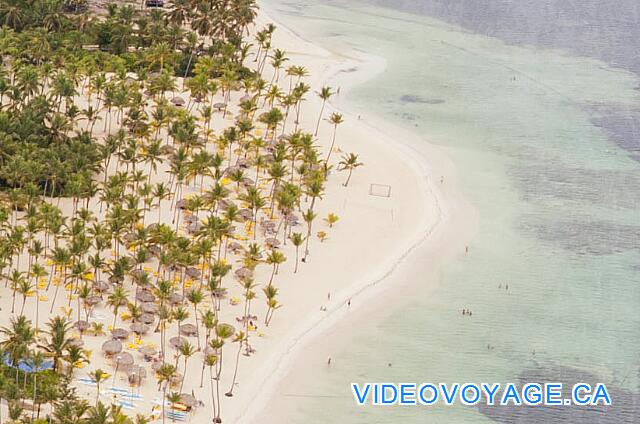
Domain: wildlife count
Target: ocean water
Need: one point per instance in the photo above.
(538, 105)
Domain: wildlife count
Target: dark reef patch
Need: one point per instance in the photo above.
(412, 98)
(625, 407)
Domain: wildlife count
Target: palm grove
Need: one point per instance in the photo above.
(118, 194)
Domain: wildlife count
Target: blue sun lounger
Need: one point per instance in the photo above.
(133, 396)
(126, 405)
(175, 415)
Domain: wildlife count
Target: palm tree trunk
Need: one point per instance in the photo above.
(164, 396)
(218, 372)
(184, 375)
(213, 397)
(235, 371)
(35, 376)
(333, 142)
(346, 183)
(306, 244)
(37, 305)
(195, 311)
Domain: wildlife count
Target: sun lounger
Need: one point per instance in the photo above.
(133, 396)
(180, 416)
(126, 405)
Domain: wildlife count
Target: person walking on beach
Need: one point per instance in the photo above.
(329, 361)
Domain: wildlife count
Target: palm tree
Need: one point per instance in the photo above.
(98, 376)
(180, 314)
(161, 192)
(271, 119)
(325, 93)
(99, 414)
(254, 199)
(24, 288)
(240, 337)
(60, 257)
(37, 360)
(223, 332)
(275, 258)
(186, 350)
(17, 280)
(160, 54)
(349, 162)
(174, 398)
(210, 361)
(58, 339)
(196, 296)
(17, 340)
(37, 272)
(270, 293)
(278, 59)
(331, 219)
(115, 300)
(164, 374)
(75, 357)
(335, 119)
(308, 217)
(297, 239)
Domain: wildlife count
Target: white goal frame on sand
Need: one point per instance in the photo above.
(380, 190)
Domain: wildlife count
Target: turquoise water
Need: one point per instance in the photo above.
(545, 150)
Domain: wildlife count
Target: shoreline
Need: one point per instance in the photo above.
(351, 71)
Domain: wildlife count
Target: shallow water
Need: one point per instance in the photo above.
(546, 138)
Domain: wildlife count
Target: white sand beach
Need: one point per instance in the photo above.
(380, 243)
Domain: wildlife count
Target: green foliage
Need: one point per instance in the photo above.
(35, 151)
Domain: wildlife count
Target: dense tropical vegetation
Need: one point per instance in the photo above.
(152, 162)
